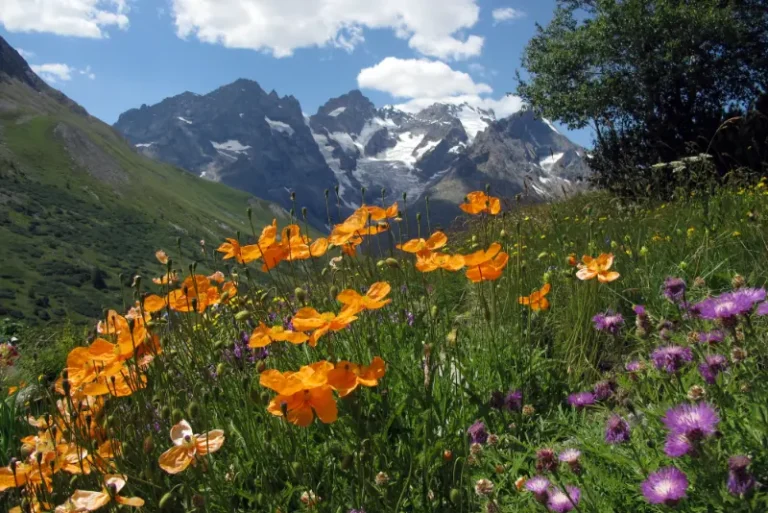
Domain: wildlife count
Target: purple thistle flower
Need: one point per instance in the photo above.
(713, 365)
(674, 289)
(711, 337)
(694, 421)
(604, 389)
(727, 307)
(616, 430)
(410, 319)
(740, 480)
(666, 486)
(477, 433)
(608, 322)
(635, 366)
(677, 445)
(762, 309)
(562, 502)
(671, 358)
(640, 311)
(514, 400)
(539, 487)
(581, 400)
(546, 460)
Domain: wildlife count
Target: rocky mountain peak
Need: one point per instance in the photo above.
(347, 113)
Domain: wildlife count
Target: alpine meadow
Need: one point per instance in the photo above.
(439, 306)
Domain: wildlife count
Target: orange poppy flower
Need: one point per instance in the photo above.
(346, 376)
(309, 319)
(537, 301)
(72, 459)
(193, 290)
(350, 228)
(241, 254)
(161, 256)
(436, 241)
(372, 300)
(16, 476)
(187, 446)
(479, 202)
(599, 268)
(304, 405)
(288, 383)
(262, 336)
(91, 501)
(572, 260)
(120, 384)
(488, 270)
(153, 303)
(115, 324)
(427, 261)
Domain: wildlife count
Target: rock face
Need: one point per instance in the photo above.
(260, 142)
(239, 135)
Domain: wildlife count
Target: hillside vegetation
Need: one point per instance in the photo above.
(79, 208)
(498, 370)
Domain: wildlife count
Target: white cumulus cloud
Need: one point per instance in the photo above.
(24, 53)
(422, 82)
(418, 78)
(80, 18)
(503, 14)
(432, 27)
(54, 72)
(57, 72)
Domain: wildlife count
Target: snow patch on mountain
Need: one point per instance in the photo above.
(279, 126)
(404, 150)
(230, 146)
(347, 143)
(144, 145)
(344, 183)
(550, 125)
(184, 120)
(473, 120)
(548, 163)
(336, 112)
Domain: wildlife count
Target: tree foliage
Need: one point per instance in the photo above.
(655, 79)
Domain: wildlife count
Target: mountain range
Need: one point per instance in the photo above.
(262, 143)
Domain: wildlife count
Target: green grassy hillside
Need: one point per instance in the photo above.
(79, 207)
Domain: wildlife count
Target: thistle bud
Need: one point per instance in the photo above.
(381, 479)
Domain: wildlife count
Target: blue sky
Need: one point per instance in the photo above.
(113, 55)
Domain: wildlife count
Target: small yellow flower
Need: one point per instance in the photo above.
(690, 231)
(736, 234)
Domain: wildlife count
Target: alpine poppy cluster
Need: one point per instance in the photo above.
(308, 392)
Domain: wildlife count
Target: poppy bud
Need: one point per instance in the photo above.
(293, 213)
(219, 345)
(193, 410)
(26, 450)
(300, 294)
(261, 367)
(392, 263)
(418, 216)
(293, 196)
(136, 282)
(264, 296)
(327, 192)
(455, 496)
(433, 311)
(380, 264)
(177, 416)
(221, 368)
(73, 481)
(502, 234)
(334, 291)
(304, 212)
(149, 444)
(166, 501)
(242, 315)
(347, 461)
(324, 271)
(249, 212)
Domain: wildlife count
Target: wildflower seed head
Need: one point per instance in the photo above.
(381, 479)
(483, 487)
(528, 410)
(697, 393)
(699, 282)
(738, 282)
(738, 354)
(475, 448)
(493, 439)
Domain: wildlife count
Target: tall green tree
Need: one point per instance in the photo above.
(654, 79)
